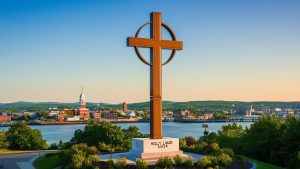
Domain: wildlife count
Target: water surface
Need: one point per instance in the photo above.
(54, 133)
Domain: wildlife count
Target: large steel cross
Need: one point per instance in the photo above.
(156, 44)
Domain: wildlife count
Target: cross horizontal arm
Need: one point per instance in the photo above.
(170, 44)
(149, 43)
(141, 42)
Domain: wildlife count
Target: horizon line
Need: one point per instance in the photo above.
(149, 101)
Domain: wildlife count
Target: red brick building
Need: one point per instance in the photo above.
(125, 107)
(61, 117)
(5, 118)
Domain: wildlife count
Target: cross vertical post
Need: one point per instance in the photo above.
(155, 79)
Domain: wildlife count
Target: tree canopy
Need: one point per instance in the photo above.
(270, 139)
(21, 137)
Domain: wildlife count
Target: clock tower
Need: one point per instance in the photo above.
(83, 111)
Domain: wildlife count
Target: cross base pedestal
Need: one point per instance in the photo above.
(153, 149)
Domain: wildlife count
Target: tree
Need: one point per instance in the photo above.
(291, 142)
(263, 140)
(132, 132)
(21, 137)
(212, 137)
(94, 133)
(3, 142)
(230, 136)
(107, 134)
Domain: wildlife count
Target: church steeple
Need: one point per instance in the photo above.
(82, 99)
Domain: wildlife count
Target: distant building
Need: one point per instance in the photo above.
(70, 112)
(72, 118)
(30, 114)
(283, 114)
(125, 107)
(246, 111)
(208, 116)
(130, 113)
(96, 115)
(53, 112)
(109, 115)
(142, 112)
(84, 113)
(277, 109)
(61, 117)
(5, 118)
(167, 114)
(249, 111)
(290, 113)
(122, 113)
(266, 110)
(179, 113)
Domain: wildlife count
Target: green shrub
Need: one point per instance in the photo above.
(79, 156)
(121, 163)
(182, 142)
(110, 164)
(189, 162)
(229, 152)
(164, 162)
(91, 160)
(224, 160)
(105, 148)
(199, 148)
(214, 147)
(65, 156)
(204, 162)
(77, 160)
(47, 162)
(190, 140)
(213, 160)
(141, 164)
(178, 160)
(191, 148)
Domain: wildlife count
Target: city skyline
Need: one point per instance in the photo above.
(239, 51)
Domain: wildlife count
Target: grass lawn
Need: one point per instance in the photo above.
(4, 151)
(261, 165)
(47, 162)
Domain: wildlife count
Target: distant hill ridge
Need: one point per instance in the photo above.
(218, 104)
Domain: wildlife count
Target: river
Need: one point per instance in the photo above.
(54, 133)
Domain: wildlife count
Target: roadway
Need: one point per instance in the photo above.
(19, 160)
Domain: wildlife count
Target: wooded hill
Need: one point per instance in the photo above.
(167, 105)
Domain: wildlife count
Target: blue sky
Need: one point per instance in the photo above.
(233, 50)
